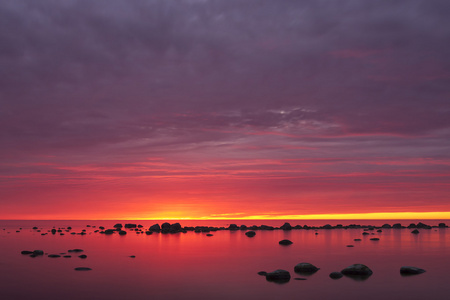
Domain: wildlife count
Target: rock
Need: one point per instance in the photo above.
(83, 256)
(305, 267)
(357, 240)
(38, 252)
(327, 226)
(53, 231)
(442, 225)
(148, 232)
(75, 250)
(250, 233)
(122, 232)
(285, 242)
(415, 231)
(262, 273)
(209, 234)
(233, 227)
(350, 246)
(118, 225)
(54, 255)
(397, 225)
(35, 228)
(155, 228)
(336, 275)
(165, 226)
(365, 233)
(67, 256)
(286, 226)
(26, 252)
(82, 269)
(407, 270)
(109, 231)
(358, 270)
(243, 227)
(374, 239)
(130, 225)
(132, 256)
(278, 276)
(266, 227)
(299, 278)
(176, 227)
(386, 226)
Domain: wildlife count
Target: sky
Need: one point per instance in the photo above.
(224, 109)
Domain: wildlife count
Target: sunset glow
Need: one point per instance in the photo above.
(205, 110)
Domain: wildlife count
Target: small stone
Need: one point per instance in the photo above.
(54, 255)
(75, 250)
(209, 234)
(336, 275)
(122, 232)
(262, 273)
(357, 269)
(305, 267)
(407, 270)
(26, 252)
(285, 242)
(67, 256)
(299, 278)
(374, 239)
(415, 231)
(278, 276)
(350, 246)
(83, 269)
(38, 252)
(132, 256)
(357, 240)
(83, 256)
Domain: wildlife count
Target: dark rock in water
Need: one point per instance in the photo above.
(365, 233)
(67, 256)
(165, 225)
(412, 225)
(299, 278)
(35, 227)
(327, 226)
(130, 225)
(250, 233)
(233, 227)
(422, 225)
(374, 239)
(132, 256)
(38, 252)
(176, 227)
(118, 225)
(75, 250)
(122, 232)
(109, 231)
(243, 227)
(83, 256)
(140, 226)
(386, 226)
(305, 268)
(148, 232)
(209, 234)
(53, 231)
(350, 246)
(266, 227)
(54, 255)
(357, 240)
(278, 276)
(155, 228)
(262, 273)
(397, 225)
(82, 269)
(26, 252)
(379, 230)
(442, 225)
(336, 275)
(285, 242)
(415, 231)
(407, 270)
(286, 226)
(358, 270)
(101, 228)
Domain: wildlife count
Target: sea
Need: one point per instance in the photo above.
(221, 264)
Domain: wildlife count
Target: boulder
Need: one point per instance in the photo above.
(176, 227)
(407, 270)
(83, 256)
(415, 231)
(26, 252)
(336, 275)
(386, 226)
(278, 276)
(250, 233)
(155, 228)
(397, 226)
(357, 270)
(233, 227)
(118, 225)
(54, 255)
(286, 226)
(327, 226)
(130, 225)
(442, 225)
(285, 242)
(75, 250)
(122, 232)
(305, 267)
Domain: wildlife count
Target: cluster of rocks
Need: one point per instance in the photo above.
(36, 253)
(355, 271)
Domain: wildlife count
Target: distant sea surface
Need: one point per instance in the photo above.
(222, 266)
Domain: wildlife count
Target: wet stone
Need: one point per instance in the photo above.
(285, 242)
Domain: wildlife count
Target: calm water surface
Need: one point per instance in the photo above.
(224, 266)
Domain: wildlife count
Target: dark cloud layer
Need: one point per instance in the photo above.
(101, 82)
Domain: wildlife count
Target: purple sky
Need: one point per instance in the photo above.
(224, 107)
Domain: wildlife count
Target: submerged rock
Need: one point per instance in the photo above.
(262, 273)
(83, 256)
(305, 267)
(285, 242)
(122, 232)
(336, 275)
(75, 250)
(26, 252)
(415, 231)
(54, 255)
(407, 270)
(358, 270)
(278, 276)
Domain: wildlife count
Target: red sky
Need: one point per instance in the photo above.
(223, 109)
